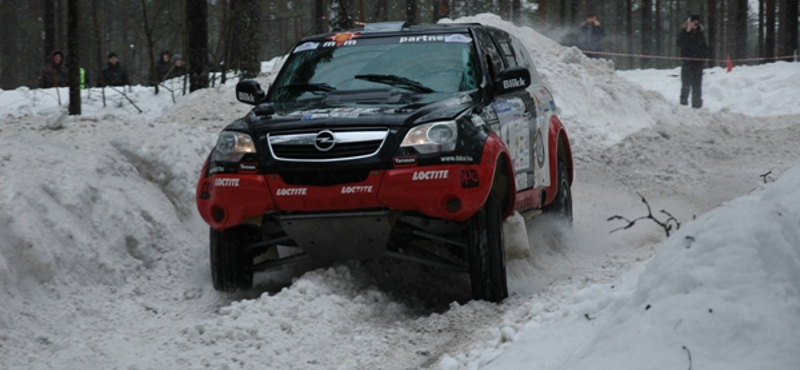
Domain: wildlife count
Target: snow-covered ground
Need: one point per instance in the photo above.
(103, 259)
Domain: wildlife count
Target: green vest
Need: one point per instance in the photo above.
(83, 79)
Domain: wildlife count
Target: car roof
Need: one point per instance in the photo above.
(403, 29)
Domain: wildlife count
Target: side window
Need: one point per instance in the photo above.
(509, 54)
(524, 60)
(494, 60)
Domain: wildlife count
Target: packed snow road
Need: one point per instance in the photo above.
(104, 261)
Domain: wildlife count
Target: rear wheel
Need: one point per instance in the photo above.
(561, 207)
(231, 261)
(486, 252)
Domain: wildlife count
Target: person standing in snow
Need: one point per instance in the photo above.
(694, 50)
(163, 67)
(113, 73)
(54, 74)
(177, 67)
(590, 37)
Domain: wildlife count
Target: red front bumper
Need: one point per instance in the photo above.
(452, 191)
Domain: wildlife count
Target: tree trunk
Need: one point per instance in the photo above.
(516, 10)
(248, 24)
(742, 8)
(197, 27)
(769, 40)
(711, 31)
(542, 10)
(319, 16)
(629, 30)
(790, 42)
(411, 11)
(49, 28)
(73, 63)
(647, 31)
(659, 34)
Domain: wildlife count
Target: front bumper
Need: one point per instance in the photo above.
(451, 192)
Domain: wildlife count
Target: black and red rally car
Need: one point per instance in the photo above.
(410, 142)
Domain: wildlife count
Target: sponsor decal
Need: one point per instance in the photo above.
(342, 39)
(345, 114)
(513, 83)
(522, 181)
(525, 201)
(478, 120)
(284, 192)
(470, 179)
(246, 97)
(430, 175)
(305, 47)
(356, 189)
(247, 167)
(552, 105)
(227, 182)
(458, 38)
(423, 38)
(538, 147)
(216, 169)
(205, 192)
(405, 161)
(457, 158)
(502, 106)
(315, 116)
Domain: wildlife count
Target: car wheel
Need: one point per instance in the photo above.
(562, 205)
(231, 262)
(486, 252)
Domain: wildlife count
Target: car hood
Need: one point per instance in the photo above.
(367, 108)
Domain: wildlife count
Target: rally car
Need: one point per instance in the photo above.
(408, 142)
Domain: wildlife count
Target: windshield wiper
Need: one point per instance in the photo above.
(395, 81)
(309, 87)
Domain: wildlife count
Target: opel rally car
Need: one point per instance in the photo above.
(388, 141)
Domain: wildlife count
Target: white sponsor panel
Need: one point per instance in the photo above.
(430, 175)
(307, 46)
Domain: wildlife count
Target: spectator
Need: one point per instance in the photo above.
(163, 66)
(113, 73)
(590, 37)
(177, 68)
(694, 50)
(85, 83)
(54, 74)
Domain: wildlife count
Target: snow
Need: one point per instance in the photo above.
(103, 258)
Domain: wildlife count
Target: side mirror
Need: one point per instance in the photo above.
(249, 92)
(512, 79)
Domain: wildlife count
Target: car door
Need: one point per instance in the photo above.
(514, 113)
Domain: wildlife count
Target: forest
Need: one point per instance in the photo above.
(234, 35)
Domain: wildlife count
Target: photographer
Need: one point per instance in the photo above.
(694, 50)
(590, 36)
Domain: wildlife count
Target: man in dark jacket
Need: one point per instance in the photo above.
(163, 66)
(54, 74)
(590, 36)
(694, 50)
(113, 73)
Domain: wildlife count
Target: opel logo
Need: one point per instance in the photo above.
(324, 141)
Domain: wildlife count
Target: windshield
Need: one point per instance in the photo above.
(420, 64)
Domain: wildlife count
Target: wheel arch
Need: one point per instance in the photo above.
(558, 149)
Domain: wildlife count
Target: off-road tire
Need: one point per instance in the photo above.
(561, 208)
(231, 262)
(486, 252)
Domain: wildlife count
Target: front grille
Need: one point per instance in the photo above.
(324, 178)
(326, 145)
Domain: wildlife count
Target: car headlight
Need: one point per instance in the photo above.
(432, 137)
(232, 146)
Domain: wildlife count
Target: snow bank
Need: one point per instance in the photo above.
(763, 90)
(724, 290)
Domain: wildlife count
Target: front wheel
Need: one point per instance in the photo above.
(561, 207)
(231, 261)
(486, 252)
